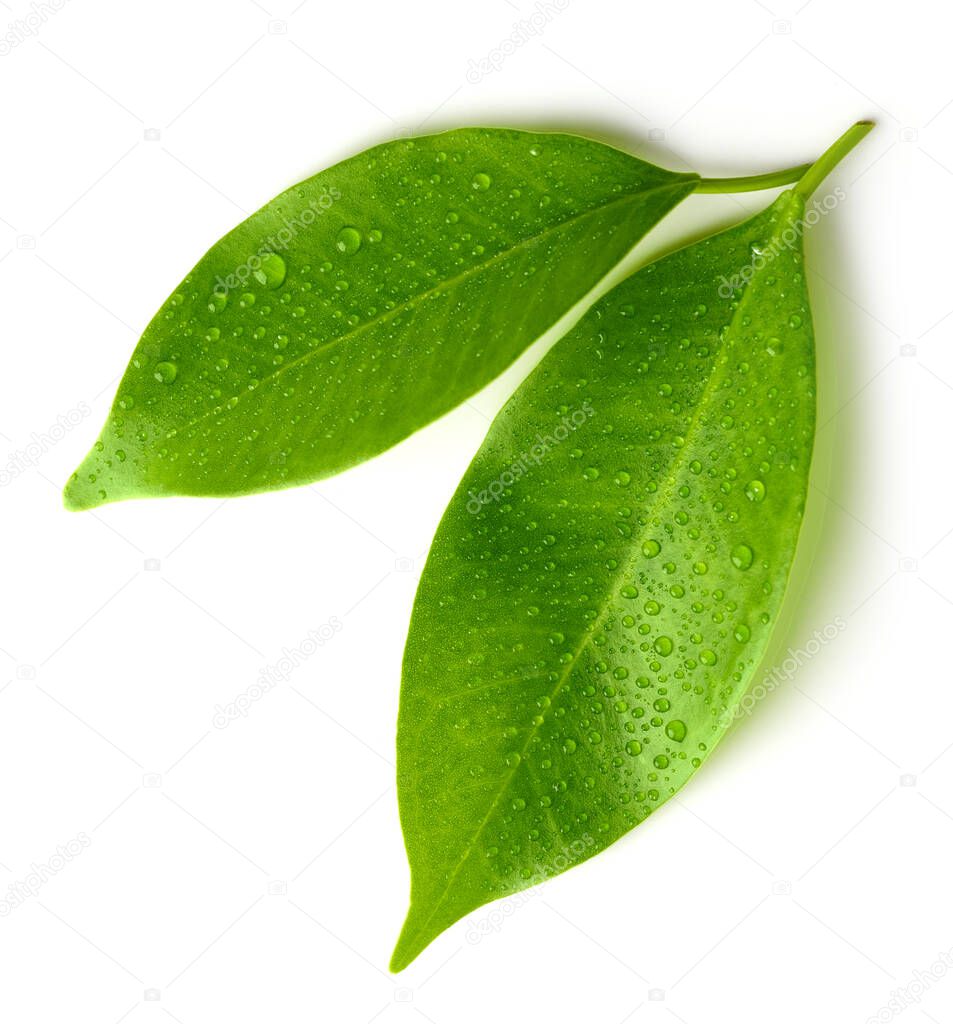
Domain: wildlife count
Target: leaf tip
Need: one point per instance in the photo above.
(424, 922)
(81, 492)
(75, 497)
(410, 945)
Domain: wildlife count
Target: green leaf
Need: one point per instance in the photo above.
(362, 304)
(605, 580)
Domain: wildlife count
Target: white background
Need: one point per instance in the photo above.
(257, 872)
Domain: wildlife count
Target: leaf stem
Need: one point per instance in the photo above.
(828, 160)
(753, 182)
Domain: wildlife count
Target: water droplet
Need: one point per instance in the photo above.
(660, 761)
(217, 302)
(742, 556)
(374, 235)
(165, 373)
(481, 182)
(675, 730)
(271, 271)
(755, 490)
(348, 240)
(663, 645)
(742, 633)
(651, 548)
(633, 748)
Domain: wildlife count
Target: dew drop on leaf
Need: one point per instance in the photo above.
(663, 645)
(755, 490)
(348, 240)
(271, 270)
(742, 556)
(675, 730)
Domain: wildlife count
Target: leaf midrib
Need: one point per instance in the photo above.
(620, 574)
(450, 283)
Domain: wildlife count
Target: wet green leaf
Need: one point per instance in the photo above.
(362, 304)
(605, 580)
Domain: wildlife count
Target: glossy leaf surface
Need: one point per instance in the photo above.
(605, 580)
(362, 304)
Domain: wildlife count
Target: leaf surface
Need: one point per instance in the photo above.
(364, 303)
(604, 582)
